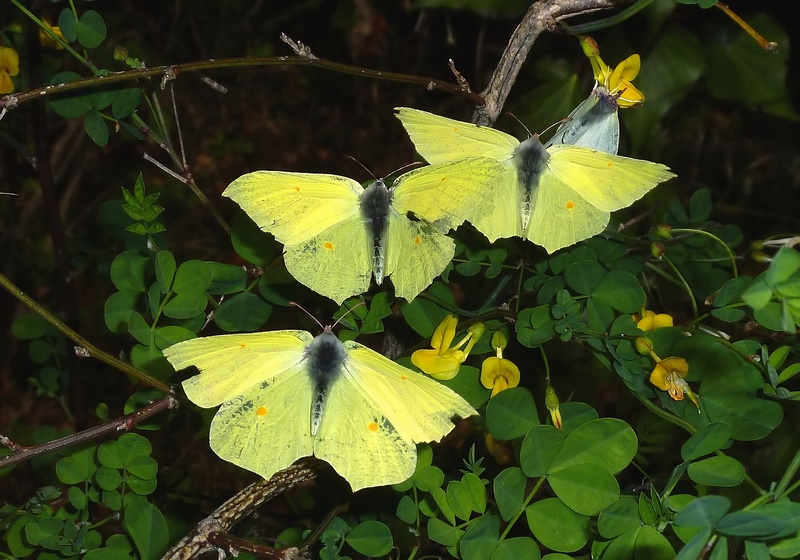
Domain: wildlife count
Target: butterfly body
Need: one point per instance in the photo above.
(287, 394)
(530, 159)
(375, 206)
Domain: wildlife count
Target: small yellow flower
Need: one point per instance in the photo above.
(651, 320)
(502, 451)
(498, 373)
(551, 402)
(668, 376)
(47, 40)
(443, 361)
(9, 66)
(617, 81)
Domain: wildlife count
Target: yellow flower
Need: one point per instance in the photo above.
(617, 81)
(551, 402)
(9, 66)
(502, 451)
(668, 376)
(651, 320)
(443, 361)
(47, 40)
(497, 373)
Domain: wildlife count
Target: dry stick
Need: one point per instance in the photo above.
(540, 16)
(242, 504)
(124, 423)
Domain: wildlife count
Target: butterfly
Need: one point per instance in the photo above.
(287, 394)
(593, 124)
(553, 196)
(337, 234)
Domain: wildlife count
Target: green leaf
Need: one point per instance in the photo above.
(717, 471)
(539, 449)
(139, 328)
(621, 290)
(29, 326)
(251, 243)
(608, 443)
(509, 492)
(91, 29)
(147, 527)
(186, 305)
(784, 265)
(107, 553)
(707, 440)
(370, 538)
(164, 337)
(703, 512)
(68, 24)
(750, 524)
(459, 499)
(535, 326)
(165, 270)
(481, 539)
(96, 127)
(77, 467)
(511, 414)
(442, 533)
(226, 278)
(728, 314)
(423, 315)
(192, 276)
(129, 270)
(108, 479)
(583, 277)
(619, 517)
(244, 312)
(77, 498)
(516, 548)
(125, 102)
(407, 510)
(586, 489)
(556, 526)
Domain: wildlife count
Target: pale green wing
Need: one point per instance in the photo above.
(337, 263)
(593, 124)
(229, 364)
(448, 193)
(264, 424)
(420, 408)
(608, 182)
(295, 207)
(376, 412)
(561, 217)
(439, 139)
(268, 427)
(416, 253)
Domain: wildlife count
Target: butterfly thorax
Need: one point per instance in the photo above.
(375, 207)
(324, 359)
(530, 159)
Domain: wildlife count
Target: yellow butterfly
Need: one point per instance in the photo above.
(552, 196)
(337, 234)
(287, 395)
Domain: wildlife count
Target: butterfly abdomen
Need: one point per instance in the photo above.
(375, 210)
(324, 357)
(530, 158)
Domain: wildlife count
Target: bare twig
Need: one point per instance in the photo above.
(540, 16)
(124, 423)
(241, 505)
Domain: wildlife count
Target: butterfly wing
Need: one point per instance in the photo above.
(317, 218)
(337, 263)
(416, 253)
(294, 207)
(608, 182)
(439, 139)
(264, 423)
(560, 216)
(593, 124)
(376, 414)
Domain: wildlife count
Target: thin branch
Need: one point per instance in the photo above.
(125, 423)
(241, 505)
(86, 347)
(540, 16)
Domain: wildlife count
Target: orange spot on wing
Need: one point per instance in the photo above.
(261, 411)
(404, 377)
(328, 245)
(444, 179)
(297, 189)
(373, 426)
(610, 165)
(417, 240)
(242, 345)
(569, 205)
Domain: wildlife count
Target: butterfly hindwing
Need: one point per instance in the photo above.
(593, 124)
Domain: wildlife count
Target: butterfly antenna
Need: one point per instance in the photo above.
(364, 167)
(307, 313)
(513, 116)
(356, 306)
